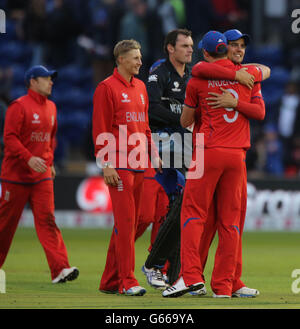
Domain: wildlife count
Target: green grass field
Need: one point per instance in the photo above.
(269, 259)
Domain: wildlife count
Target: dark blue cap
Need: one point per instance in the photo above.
(171, 179)
(39, 71)
(232, 35)
(214, 42)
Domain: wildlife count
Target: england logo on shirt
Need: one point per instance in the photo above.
(125, 98)
(36, 118)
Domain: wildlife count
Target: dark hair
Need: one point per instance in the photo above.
(171, 37)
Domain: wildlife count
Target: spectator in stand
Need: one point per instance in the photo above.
(101, 36)
(289, 119)
(199, 17)
(228, 15)
(34, 29)
(273, 151)
(145, 26)
(61, 31)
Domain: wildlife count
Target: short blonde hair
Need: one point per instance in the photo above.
(124, 46)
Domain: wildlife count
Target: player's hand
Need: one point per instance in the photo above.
(157, 163)
(111, 177)
(245, 78)
(222, 100)
(37, 164)
(53, 172)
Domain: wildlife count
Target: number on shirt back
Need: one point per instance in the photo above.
(230, 109)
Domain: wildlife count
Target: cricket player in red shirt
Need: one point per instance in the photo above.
(121, 113)
(226, 137)
(27, 171)
(237, 43)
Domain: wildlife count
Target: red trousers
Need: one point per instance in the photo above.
(154, 208)
(210, 228)
(120, 261)
(40, 196)
(222, 179)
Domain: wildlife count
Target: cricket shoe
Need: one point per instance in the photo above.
(134, 291)
(221, 296)
(154, 277)
(199, 292)
(246, 292)
(67, 274)
(179, 288)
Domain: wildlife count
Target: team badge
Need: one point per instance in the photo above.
(125, 98)
(36, 118)
(176, 85)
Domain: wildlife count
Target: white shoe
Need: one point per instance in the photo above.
(199, 292)
(154, 277)
(179, 288)
(221, 296)
(135, 291)
(67, 274)
(246, 292)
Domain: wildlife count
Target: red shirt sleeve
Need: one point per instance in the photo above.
(103, 113)
(255, 71)
(12, 131)
(53, 136)
(206, 70)
(255, 109)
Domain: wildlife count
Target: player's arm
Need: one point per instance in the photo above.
(190, 104)
(254, 110)
(187, 116)
(12, 138)
(103, 112)
(12, 130)
(205, 70)
(265, 70)
(158, 112)
(53, 145)
(152, 149)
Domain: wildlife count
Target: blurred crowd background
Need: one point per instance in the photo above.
(76, 37)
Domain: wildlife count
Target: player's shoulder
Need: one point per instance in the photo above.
(50, 103)
(105, 84)
(195, 81)
(158, 70)
(158, 66)
(252, 69)
(139, 83)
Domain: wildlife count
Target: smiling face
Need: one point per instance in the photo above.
(236, 50)
(130, 62)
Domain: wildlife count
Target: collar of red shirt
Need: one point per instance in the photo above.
(37, 97)
(117, 75)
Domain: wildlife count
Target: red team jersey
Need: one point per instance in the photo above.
(30, 127)
(222, 127)
(120, 106)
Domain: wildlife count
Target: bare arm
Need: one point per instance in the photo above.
(187, 116)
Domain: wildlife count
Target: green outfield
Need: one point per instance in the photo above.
(269, 259)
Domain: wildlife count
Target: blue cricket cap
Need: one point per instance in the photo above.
(171, 179)
(39, 71)
(232, 35)
(214, 42)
